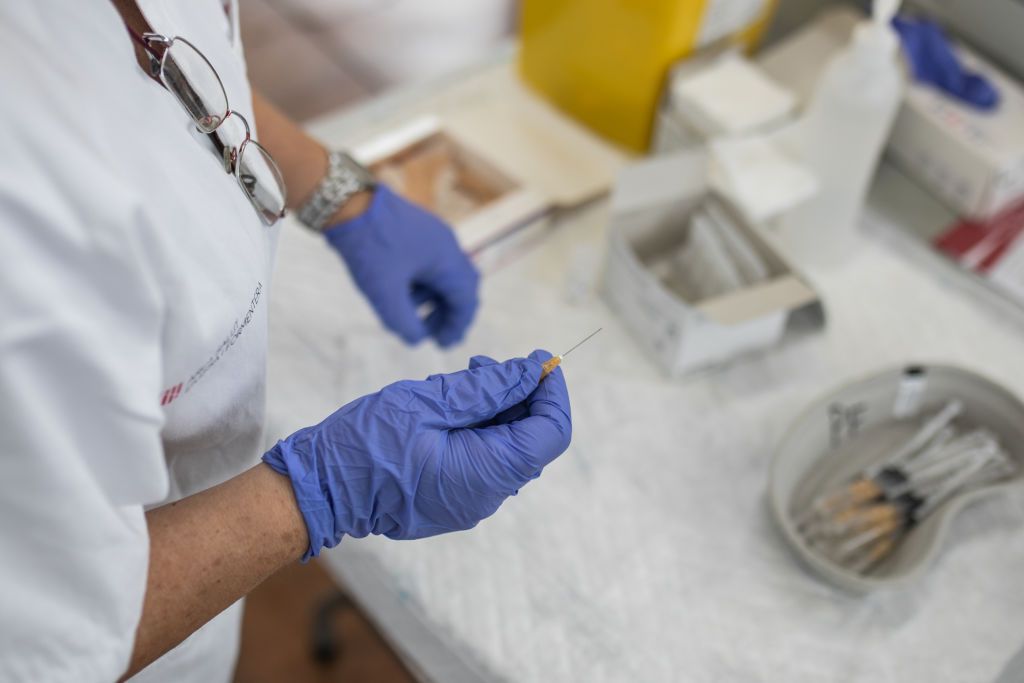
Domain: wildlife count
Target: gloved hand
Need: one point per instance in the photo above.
(423, 458)
(402, 256)
(934, 62)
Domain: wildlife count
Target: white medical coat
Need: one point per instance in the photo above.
(133, 313)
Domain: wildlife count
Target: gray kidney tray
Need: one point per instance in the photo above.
(858, 424)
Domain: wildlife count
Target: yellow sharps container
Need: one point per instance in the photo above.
(604, 61)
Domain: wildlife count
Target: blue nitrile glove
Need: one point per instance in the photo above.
(423, 458)
(934, 62)
(401, 257)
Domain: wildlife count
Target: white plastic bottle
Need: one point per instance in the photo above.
(841, 136)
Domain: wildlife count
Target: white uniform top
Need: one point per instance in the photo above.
(133, 290)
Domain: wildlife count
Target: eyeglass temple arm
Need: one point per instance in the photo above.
(152, 52)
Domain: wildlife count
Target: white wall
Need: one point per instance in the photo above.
(311, 56)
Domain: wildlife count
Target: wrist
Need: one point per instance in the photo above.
(343, 193)
(354, 207)
(278, 497)
(292, 460)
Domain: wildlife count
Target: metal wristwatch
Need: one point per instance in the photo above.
(345, 177)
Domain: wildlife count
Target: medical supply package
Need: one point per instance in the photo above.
(972, 160)
(663, 205)
(718, 93)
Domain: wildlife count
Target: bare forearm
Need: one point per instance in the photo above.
(301, 158)
(210, 549)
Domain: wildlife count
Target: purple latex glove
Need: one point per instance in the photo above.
(934, 62)
(423, 458)
(402, 257)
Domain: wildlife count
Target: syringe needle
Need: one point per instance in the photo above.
(581, 342)
(551, 363)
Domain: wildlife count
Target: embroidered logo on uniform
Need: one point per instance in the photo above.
(229, 341)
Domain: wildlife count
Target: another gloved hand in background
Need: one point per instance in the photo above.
(401, 257)
(418, 459)
(933, 61)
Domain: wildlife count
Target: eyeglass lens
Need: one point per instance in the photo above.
(194, 81)
(261, 179)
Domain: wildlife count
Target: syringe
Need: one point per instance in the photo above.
(551, 363)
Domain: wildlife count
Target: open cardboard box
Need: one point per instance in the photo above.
(431, 165)
(494, 160)
(651, 204)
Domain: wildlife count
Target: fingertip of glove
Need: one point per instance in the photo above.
(412, 338)
(532, 368)
(407, 330)
(540, 355)
(452, 327)
(446, 339)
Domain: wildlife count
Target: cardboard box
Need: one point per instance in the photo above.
(492, 158)
(973, 160)
(430, 164)
(651, 205)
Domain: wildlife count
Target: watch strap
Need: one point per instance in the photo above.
(345, 177)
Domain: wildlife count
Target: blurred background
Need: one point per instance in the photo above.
(313, 56)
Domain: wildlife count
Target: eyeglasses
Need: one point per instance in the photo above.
(182, 69)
